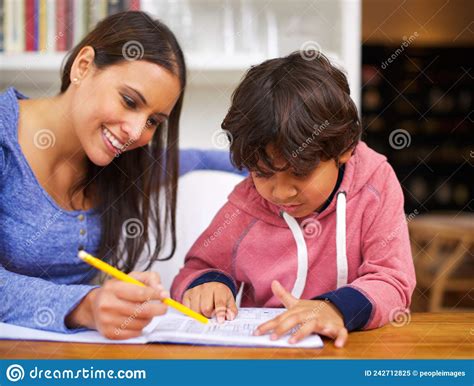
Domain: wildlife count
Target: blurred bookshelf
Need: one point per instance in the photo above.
(425, 97)
(221, 39)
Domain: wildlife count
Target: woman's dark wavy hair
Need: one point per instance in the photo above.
(299, 104)
(132, 185)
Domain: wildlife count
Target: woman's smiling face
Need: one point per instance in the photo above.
(119, 108)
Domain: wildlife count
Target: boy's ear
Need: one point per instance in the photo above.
(346, 156)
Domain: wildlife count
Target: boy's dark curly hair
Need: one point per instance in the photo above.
(298, 104)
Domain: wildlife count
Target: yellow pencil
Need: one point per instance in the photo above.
(114, 272)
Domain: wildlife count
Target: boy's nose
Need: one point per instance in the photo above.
(284, 193)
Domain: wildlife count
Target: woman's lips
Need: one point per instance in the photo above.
(109, 146)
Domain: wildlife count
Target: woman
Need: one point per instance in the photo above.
(83, 170)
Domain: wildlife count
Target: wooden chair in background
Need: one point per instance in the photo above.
(442, 246)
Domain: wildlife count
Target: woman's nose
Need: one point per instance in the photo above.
(133, 130)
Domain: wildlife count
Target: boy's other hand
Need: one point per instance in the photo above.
(306, 317)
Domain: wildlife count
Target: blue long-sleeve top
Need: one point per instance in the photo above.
(41, 278)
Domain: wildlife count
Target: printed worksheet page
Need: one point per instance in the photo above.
(177, 328)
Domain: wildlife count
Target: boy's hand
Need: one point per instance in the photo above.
(212, 298)
(307, 316)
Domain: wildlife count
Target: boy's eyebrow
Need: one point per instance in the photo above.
(140, 95)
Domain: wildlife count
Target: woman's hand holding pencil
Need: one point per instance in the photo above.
(123, 306)
(120, 310)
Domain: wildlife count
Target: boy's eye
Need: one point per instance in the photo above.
(129, 101)
(262, 175)
(299, 175)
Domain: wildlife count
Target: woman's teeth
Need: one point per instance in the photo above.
(113, 140)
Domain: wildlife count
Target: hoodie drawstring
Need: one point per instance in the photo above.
(302, 253)
(341, 256)
(302, 250)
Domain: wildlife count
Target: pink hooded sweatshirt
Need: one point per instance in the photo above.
(354, 253)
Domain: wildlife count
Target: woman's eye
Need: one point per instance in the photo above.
(151, 122)
(129, 102)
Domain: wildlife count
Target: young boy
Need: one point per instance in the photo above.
(317, 227)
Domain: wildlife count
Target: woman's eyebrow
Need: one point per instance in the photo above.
(140, 95)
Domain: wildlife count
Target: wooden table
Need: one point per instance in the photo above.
(427, 335)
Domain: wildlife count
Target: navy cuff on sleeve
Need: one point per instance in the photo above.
(354, 306)
(214, 276)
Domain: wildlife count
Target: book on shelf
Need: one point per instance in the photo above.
(52, 25)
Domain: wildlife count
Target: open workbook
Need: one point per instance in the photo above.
(174, 327)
